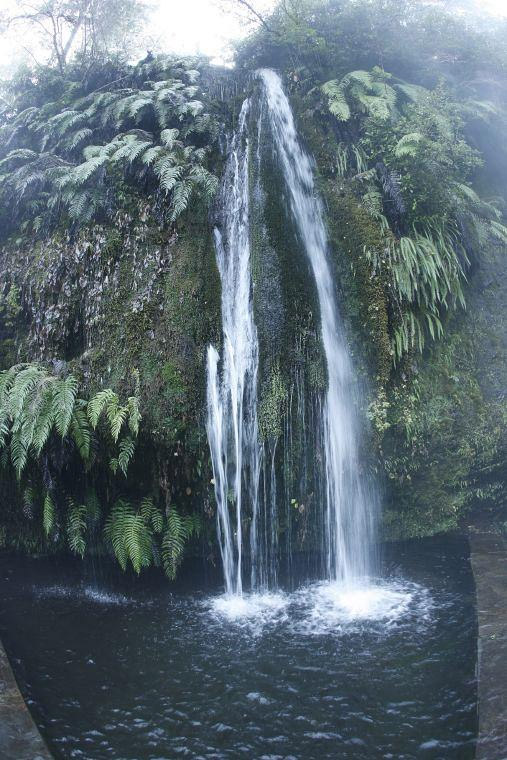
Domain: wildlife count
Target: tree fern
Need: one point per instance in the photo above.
(409, 145)
(360, 92)
(40, 149)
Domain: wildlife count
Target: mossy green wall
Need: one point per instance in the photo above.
(438, 420)
(116, 298)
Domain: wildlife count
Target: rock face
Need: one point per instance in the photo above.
(19, 736)
(489, 563)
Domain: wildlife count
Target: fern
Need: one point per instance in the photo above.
(133, 414)
(64, 397)
(409, 145)
(98, 403)
(28, 501)
(47, 158)
(34, 404)
(173, 542)
(130, 536)
(126, 452)
(337, 101)
(76, 527)
(151, 514)
(360, 92)
(48, 514)
(79, 429)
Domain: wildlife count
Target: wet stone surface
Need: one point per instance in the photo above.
(19, 737)
(489, 563)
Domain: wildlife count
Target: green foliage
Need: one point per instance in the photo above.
(426, 276)
(360, 92)
(429, 216)
(76, 527)
(77, 152)
(178, 530)
(34, 404)
(133, 533)
(48, 514)
(130, 536)
(127, 448)
(107, 403)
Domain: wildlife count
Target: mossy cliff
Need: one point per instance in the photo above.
(438, 418)
(116, 298)
(108, 272)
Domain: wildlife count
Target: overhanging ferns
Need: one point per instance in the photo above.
(134, 534)
(34, 404)
(72, 153)
(360, 92)
(408, 166)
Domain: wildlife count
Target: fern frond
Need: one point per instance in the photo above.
(76, 527)
(127, 447)
(408, 145)
(134, 415)
(48, 514)
(98, 403)
(64, 396)
(337, 101)
(79, 429)
(173, 543)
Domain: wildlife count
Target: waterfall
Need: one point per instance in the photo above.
(245, 477)
(232, 393)
(349, 508)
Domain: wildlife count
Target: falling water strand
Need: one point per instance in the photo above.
(349, 509)
(232, 392)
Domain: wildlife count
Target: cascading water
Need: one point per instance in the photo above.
(232, 395)
(238, 457)
(349, 509)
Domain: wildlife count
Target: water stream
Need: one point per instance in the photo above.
(232, 395)
(350, 510)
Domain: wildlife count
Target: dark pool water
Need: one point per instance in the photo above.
(140, 672)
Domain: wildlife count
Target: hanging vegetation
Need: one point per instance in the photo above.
(79, 154)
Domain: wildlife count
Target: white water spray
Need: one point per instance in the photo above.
(350, 512)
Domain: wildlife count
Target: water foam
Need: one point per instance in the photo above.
(329, 607)
(254, 611)
(336, 607)
(89, 593)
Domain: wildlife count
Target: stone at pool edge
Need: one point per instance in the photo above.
(19, 736)
(488, 554)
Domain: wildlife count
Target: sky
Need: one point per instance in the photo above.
(183, 26)
(200, 26)
(189, 26)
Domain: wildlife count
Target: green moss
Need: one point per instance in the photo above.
(444, 445)
(272, 405)
(352, 232)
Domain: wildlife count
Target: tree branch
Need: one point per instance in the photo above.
(257, 15)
